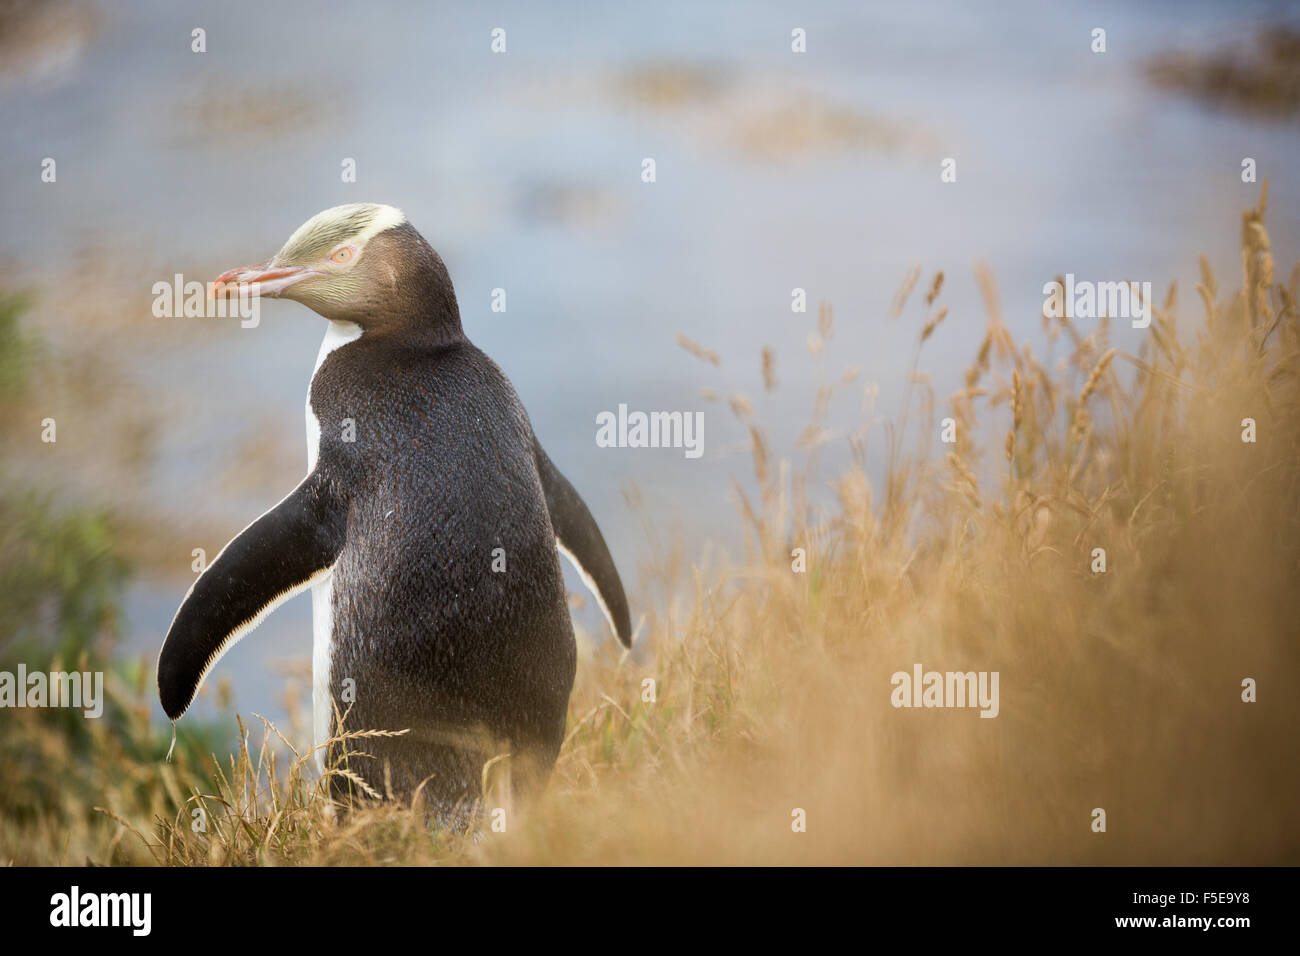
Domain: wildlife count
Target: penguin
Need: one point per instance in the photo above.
(429, 528)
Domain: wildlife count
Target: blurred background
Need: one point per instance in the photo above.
(775, 170)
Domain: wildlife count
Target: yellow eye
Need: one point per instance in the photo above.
(342, 255)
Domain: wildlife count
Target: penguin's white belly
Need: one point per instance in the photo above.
(322, 610)
(322, 620)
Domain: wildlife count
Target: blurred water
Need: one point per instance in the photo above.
(523, 169)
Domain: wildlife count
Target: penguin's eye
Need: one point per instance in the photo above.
(342, 255)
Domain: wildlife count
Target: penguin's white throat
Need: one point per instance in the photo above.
(336, 336)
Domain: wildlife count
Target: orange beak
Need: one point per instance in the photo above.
(261, 279)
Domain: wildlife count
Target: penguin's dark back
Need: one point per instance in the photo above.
(449, 613)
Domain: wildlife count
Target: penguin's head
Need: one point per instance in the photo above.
(360, 262)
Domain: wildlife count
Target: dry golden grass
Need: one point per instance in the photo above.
(1120, 690)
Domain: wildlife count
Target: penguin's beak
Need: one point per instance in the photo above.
(265, 278)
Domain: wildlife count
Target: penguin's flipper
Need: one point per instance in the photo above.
(580, 540)
(274, 558)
